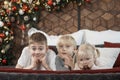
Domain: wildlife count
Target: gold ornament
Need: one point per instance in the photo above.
(29, 11)
(38, 2)
(6, 4)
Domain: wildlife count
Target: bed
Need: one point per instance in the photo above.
(108, 42)
(20, 74)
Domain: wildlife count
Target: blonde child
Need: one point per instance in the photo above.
(66, 47)
(87, 57)
(37, 55)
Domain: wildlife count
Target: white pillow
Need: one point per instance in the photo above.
(108, 56)
(53, 40)
(34, 30)
(78, 36)
(98, 37)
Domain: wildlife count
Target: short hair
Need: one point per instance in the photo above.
(38, 37)
(66, 39)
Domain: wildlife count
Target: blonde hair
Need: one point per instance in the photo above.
(88, 49)
(38, 37)
(66, 39)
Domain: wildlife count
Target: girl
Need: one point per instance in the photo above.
(87, 57)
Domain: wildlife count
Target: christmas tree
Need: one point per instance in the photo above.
(6, 38)
(23, 13)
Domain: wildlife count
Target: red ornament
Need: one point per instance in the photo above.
(50, 2)
(14, 8)
(88, 1)
(25, 7)
(2, 35)
(22, 27)
(8, 11)
(36, 8)
(4, 61)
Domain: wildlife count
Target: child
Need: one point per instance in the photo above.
(66, 47)
(87, 57)
(37, 55)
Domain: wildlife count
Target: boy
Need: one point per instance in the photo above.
(66, 47)
(37, 55)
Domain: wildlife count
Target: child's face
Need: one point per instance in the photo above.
(37, 49)
(85, 61)
(66, 49)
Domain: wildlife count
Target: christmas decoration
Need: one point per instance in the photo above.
(6, 38)
(23, 14)
(27, 12)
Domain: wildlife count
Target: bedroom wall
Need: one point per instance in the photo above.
(99, 15)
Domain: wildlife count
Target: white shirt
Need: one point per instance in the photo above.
(25, 58)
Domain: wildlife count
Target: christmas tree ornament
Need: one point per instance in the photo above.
(7, 11)
(7, 47)
(27, 25)
(26, 18)
(34, 19)
(30, 1)
(36, 8)
(22, 27)
(1, 23)
(4, 61)
(25, 7)
(2, 35)
(25, 1)
(3, 51)
(50, 2)
(19, 1)
(6, 33)
(21, 12)
(14, 8)
(29, 11)
(54, 3)
(38, 2)
(57, 1)
(88, 1)
(6, 4)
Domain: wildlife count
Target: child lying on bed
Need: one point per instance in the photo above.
(87, 57)
(37, 55)
(66, 47)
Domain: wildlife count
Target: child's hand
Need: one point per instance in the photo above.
(44, 63)
(69, 61)
(40, 57)
(35, 61)
(61, 55)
